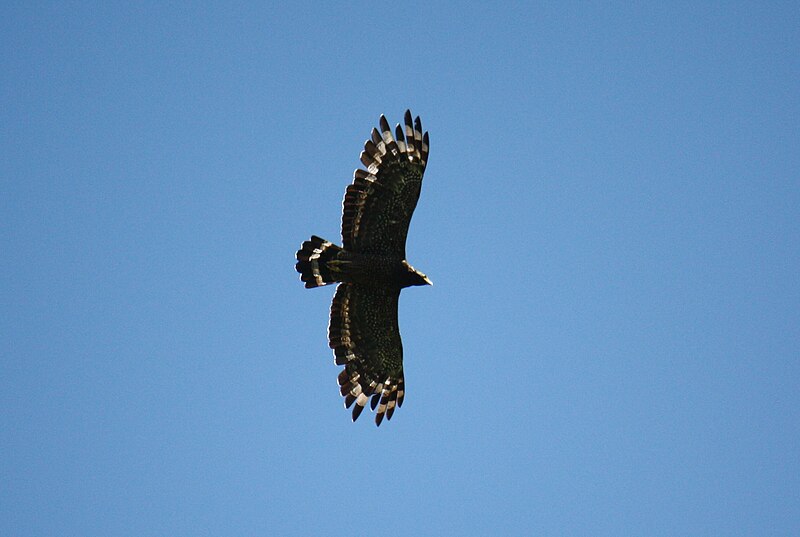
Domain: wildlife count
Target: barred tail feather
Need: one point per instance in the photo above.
(312, 261)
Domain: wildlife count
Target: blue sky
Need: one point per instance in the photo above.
(609, 215)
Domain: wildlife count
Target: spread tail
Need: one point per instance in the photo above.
(312, 261)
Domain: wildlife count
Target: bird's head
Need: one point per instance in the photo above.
(415, 277)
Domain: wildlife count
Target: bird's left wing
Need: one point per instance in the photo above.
(365, 338)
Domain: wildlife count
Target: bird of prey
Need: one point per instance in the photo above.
(371, 267)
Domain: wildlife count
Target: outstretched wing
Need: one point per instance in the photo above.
(365, 338)
(379, 204)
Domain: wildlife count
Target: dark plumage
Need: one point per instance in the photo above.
(371, 267)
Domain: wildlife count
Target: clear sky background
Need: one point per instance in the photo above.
(610, 216)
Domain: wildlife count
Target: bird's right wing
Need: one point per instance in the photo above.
(379, 204)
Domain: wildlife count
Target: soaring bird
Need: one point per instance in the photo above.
(371, 267)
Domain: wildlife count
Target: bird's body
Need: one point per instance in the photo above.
(371, 268)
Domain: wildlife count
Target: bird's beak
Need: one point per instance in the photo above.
(427, 280)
